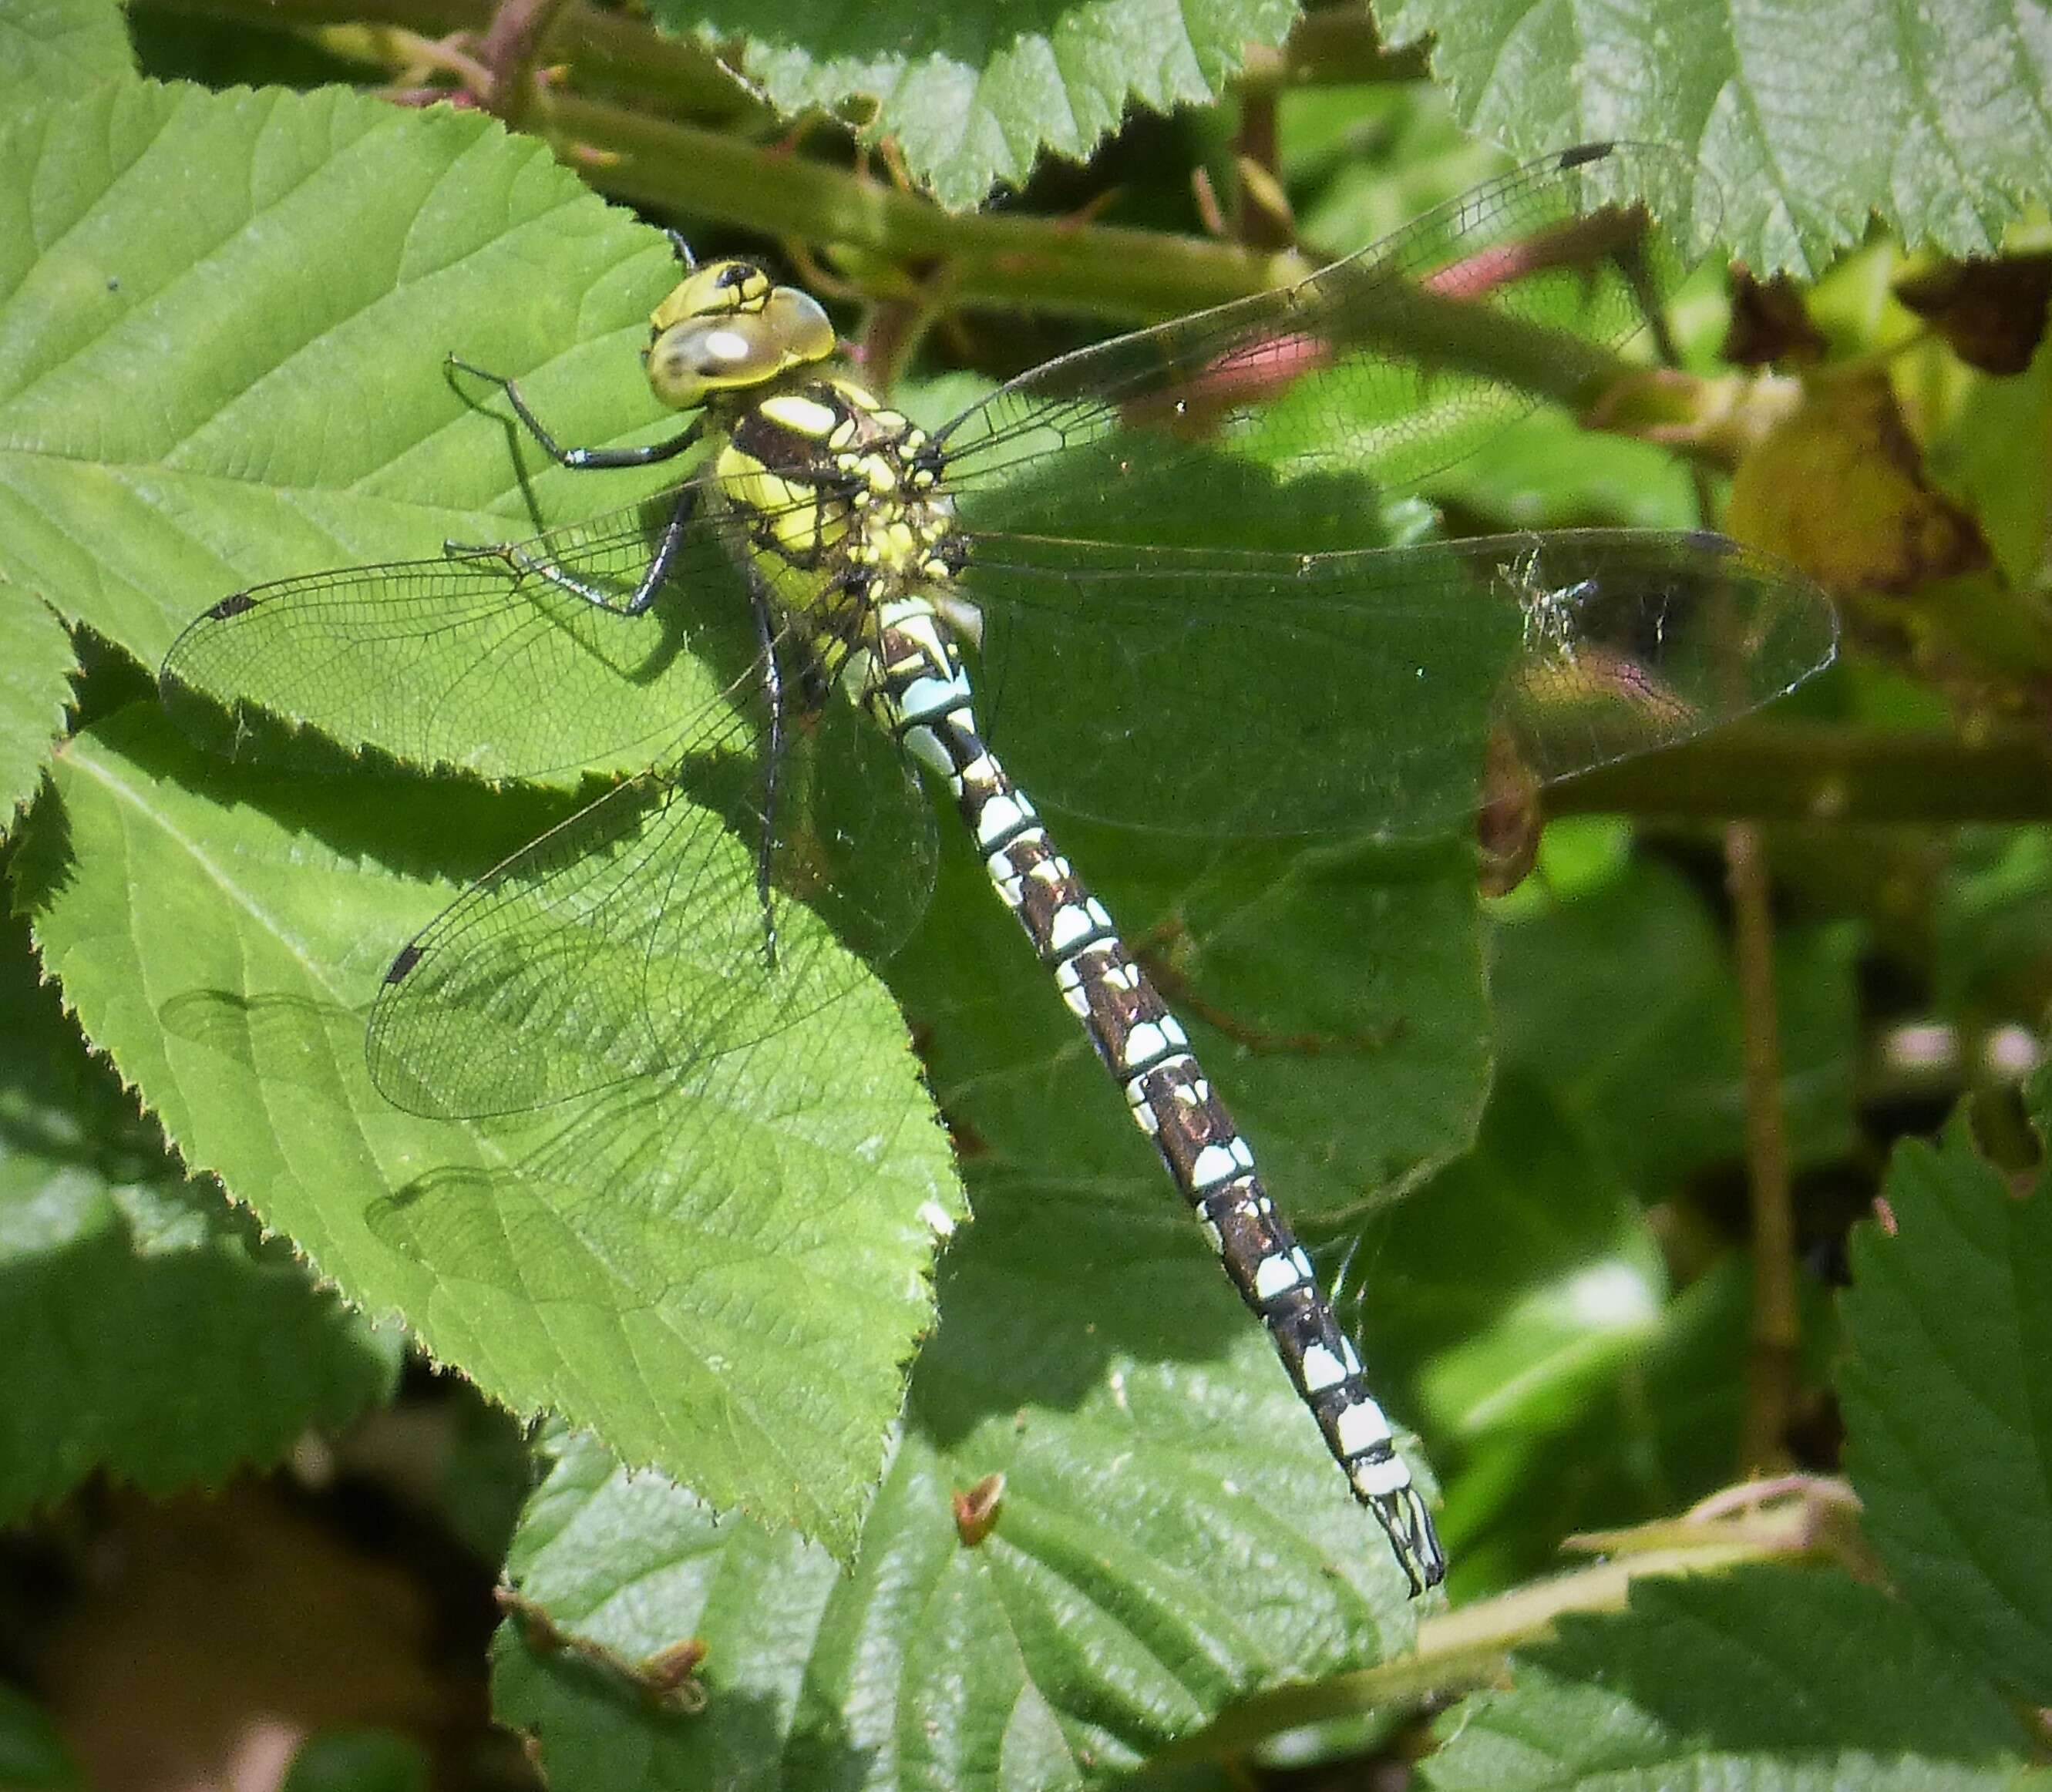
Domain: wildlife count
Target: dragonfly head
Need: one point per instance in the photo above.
(726, 326)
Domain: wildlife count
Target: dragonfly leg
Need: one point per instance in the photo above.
(582, 459)
(682, 250)
(645, 589)
(665, 556)
(773, 760)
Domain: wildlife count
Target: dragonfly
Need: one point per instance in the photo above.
(867, 606)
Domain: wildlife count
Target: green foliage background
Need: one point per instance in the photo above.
(222, 312)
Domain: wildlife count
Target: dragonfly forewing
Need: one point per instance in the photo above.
(1393, 363)
(477, 661)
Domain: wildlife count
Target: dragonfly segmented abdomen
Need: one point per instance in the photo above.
(921, 694)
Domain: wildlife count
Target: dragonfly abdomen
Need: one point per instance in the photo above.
(921, 692)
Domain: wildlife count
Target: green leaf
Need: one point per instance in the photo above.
(1170, 1535)
(36, 666)
(272, 280)
(1948, 1398)
(1949, 141)
(144, 1334)
(717, 1276)
(1992, 927)
(1363, 160)
(1522, 1274)
(1547, 471)
(1764, 1678)
(52, 50)
(971, 97)
(144, 1330)
(1662, 1432)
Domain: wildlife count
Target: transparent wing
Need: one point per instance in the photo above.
(634, 938)
(483, 661)
(1205, 692)
(1393, 363)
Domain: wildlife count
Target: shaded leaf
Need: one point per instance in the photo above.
(1762, 1678)
(1517, 1306)
(972, 97)
(1621, 999)
(145, 1332)
(358, 1761)
(1947, 1397)
(32, 1755)
(1519, 1275)
(1992, 928)
(144, 1335)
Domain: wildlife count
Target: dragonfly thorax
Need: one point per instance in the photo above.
(844, 501)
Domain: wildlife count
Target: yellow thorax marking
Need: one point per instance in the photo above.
(808, 415)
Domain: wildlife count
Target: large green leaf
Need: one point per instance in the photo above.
(1765, 1680)
(721, 1273)
(1949, 140)
(272, 280)
(1170, 1535)
(972, 95)
(145, 1332)
(1947, 1397)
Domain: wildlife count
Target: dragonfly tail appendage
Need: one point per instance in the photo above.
(924, 697)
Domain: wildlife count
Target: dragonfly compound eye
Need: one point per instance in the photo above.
(721, 347)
